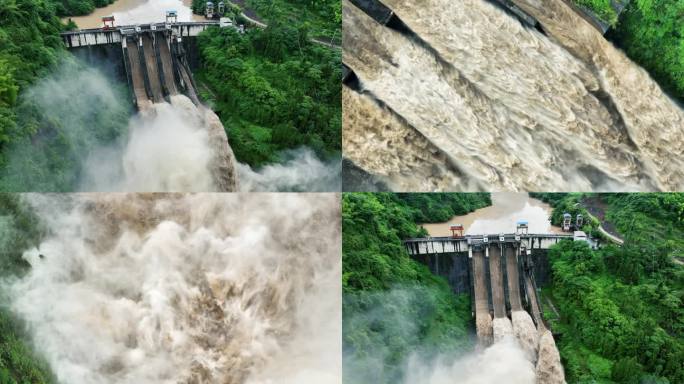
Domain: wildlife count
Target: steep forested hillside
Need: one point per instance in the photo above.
(274, 90)
(19, 229)
(323, 18)
(652, 34)
(622, 312)
(393, 306)
(29, 43)
(53, 109)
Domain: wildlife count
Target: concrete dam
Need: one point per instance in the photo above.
(497, 270)
(501, 272)
(156, 59)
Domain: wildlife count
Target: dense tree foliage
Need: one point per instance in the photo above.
(622, 312)
(274, 90)
(29, 43)
(19, 230)
(78, 7)
(393, 306)
(18, 364)
(601, 8)
(322, 17)
(652, 33)
(440, 207)
(40, 148)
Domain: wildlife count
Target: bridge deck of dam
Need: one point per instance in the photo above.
(493, 237)
(142, 26)
(434, 245)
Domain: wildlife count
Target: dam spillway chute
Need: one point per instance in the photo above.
(156, 67)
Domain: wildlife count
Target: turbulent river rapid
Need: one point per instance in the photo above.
(209, 288)
(468, 98)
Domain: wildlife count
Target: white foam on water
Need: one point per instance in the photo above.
(206, 288)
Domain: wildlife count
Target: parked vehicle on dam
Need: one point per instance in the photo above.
(214, 12)
(579, 236)
(567, 222)
(569, 226)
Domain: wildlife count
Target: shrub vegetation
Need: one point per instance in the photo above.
(274, 90)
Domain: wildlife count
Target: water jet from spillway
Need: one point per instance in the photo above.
(504, 106)
(526, 333)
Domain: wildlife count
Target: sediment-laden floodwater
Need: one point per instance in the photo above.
(175, 288)
(130, 12)
(501, 217)
(497, 105)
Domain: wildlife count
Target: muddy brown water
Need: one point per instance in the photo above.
(513, 109)
(501, 217)
(128, 12)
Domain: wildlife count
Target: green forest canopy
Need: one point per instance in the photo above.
(274, 90)
(39, 149)
(652, 34)
(323, 18)
(601, 8)
(622, 312)
(394, 306)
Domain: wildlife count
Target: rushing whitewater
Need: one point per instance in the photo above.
(174, 146)
(497, 105)
(502, 362)
(526, 333)
(209, 288)
(501, 328)
(549, 369)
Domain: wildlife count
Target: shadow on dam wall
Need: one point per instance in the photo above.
(456, 268)
(109, 58)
